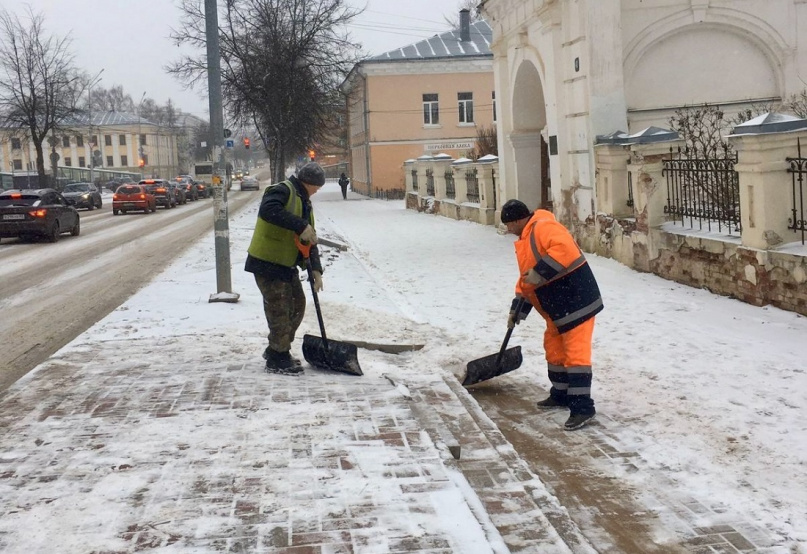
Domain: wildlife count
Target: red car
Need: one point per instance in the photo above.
(133, 197)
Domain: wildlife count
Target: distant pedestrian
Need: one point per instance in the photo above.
(344, 182)
(285, 214)
(556, 279)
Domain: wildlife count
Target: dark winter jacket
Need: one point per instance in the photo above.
(273, 210)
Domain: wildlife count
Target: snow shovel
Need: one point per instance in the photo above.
(507, 360)
(319, 351)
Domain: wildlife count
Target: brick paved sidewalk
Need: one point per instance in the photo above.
(103, 454)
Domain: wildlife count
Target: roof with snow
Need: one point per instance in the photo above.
(109, 119)
(770, 122)
(446, 45)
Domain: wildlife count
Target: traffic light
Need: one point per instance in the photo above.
(141, 162)
(312, 155)
(246, 143)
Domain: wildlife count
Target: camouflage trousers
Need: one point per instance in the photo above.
(284, 306)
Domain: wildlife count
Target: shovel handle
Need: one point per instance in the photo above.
(305, 250)
(519, 305)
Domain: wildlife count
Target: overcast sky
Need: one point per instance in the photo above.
(130, 40)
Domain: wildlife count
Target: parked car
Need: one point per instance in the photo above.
(133, 197)
(179, 192)
(82, 195)
(42, 212)
(190, 188)
(204, 190)
(163, 195)
(250, 183)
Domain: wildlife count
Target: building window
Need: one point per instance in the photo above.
(431, 110)
(79, 140)
(124, 161)
(107, 140)
(109, 161)
(66, 142)
(122, 140)
(17, 165)
(16, 144)
(494, 105)
(142, 139)
(82, 162)
(466, 106)
(94, 140)
(68, 162)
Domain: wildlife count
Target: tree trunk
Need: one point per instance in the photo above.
(40, 163)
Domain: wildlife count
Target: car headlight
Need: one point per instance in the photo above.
(85, 196)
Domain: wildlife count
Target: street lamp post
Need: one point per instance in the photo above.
(94, 81)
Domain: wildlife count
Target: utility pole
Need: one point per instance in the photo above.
(221, 225)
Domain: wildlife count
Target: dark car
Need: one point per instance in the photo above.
(133, 197)
(179, 192)
(190, 188)
(82, 195)
(42, 212)
(163, 195)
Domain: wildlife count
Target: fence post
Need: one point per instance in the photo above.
(612, 180)
(487, 168)
(408, 166)
(460, 184)
(766, 187)
(422, 165)
(649, 183)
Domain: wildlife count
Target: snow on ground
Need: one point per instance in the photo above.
(710, 390)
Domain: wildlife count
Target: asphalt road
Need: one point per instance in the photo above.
(51, 293)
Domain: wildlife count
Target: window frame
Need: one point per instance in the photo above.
(431, 109)
(110, 161)
(18, 142)
(122, 140)
(124, 160)
(465, 106)
(82, 161)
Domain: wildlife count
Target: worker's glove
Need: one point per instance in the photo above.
(309, 235)
(317, 281)
(534, 278)
(514, 318)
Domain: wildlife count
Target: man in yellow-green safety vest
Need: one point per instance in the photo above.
(273, 257)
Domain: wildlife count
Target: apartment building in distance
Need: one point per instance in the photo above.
(112, 140)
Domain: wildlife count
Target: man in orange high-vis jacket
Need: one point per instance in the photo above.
(556, 279)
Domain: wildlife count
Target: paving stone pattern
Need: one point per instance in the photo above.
(194, 458)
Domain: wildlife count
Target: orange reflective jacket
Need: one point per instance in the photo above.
(569, 295)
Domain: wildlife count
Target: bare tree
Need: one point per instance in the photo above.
(470, 5)
(282, 61)
(486, 142)
(39, 86)
(797, 104)
(113, 99)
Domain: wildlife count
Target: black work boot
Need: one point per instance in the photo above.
(550, 402)
(576, 421)
(282, 362)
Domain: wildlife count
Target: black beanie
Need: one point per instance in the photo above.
(312, 173)
(513, 210)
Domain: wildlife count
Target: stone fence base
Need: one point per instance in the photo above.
(725, 267)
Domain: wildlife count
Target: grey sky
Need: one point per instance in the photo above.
(129, 39)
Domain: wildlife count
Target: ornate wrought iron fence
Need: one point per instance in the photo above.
(414, 179)
(705, 191)
(472, 178)
(450, 190)
(798, 169)
(429, 182)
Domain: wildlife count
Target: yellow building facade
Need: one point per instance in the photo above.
(423, 99)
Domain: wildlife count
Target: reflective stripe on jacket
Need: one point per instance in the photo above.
(274, 244)
(569, 294)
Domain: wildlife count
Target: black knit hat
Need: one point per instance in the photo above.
(312, 173)
(513, 210)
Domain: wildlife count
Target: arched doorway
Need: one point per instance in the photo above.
(530, 149)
